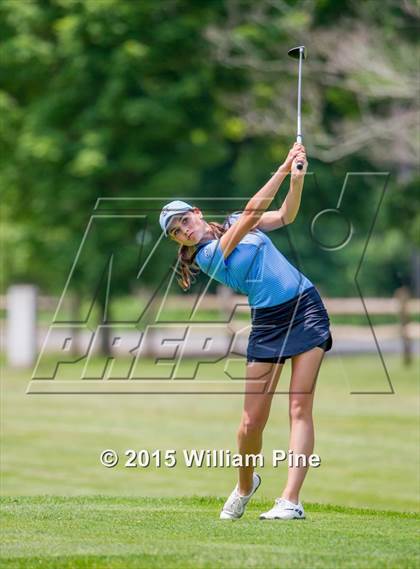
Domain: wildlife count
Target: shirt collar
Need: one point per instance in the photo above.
(202, 244)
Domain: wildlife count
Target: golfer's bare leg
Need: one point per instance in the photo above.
(305, 368)
(261, 382)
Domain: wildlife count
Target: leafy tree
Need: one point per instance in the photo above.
(116, 98)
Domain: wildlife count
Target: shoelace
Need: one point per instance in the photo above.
(235, 504)
(279, 501)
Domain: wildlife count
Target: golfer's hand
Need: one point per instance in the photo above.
(300, 157)
(293, 152)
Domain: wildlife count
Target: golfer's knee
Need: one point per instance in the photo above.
(251, 424)
(300, 409)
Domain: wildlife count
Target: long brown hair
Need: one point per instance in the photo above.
(187, 269)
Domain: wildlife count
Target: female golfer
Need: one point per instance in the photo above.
(289, 320)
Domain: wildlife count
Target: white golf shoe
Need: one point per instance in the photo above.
(284, 510)
(235, 505)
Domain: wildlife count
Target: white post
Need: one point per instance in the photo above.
(21, 332)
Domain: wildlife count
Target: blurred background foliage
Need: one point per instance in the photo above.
(128, 99)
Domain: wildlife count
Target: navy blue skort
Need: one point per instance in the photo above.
(290, 328)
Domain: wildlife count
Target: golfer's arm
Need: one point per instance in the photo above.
(252, 213)
(259, 203)
(289, 209)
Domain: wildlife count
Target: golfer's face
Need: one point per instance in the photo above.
(187, 229)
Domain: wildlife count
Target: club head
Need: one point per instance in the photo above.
(295, 51)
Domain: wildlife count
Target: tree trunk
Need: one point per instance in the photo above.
(75, 304)
(105, 336)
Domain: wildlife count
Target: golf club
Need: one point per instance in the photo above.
(299, 53)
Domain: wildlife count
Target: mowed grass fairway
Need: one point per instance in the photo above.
(124, 533)
(62, 508)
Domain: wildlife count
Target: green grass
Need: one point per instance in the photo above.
(123, 310)
(124, 533)
(77, 513)
(368, 443)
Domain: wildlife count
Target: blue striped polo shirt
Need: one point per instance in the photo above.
(255, 268)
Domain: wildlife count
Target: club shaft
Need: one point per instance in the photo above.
(299, 136)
